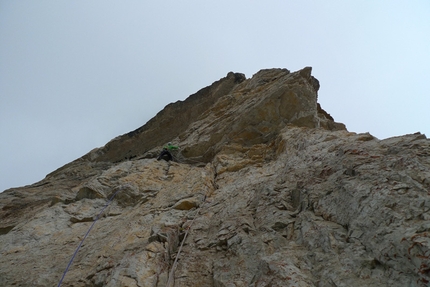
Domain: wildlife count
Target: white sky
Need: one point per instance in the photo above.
(75, 74)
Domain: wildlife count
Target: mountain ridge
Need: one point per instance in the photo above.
(266, 190)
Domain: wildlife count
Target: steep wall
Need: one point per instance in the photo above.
(167, 124)
(267, 190)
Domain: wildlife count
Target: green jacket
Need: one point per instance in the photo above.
(171, 147)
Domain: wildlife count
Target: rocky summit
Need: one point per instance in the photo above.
(266, 189)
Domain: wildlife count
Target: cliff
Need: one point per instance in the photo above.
(266, 190)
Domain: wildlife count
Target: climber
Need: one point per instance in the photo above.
(166, 152)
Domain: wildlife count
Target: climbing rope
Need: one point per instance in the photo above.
(88, 232)
(175, 263)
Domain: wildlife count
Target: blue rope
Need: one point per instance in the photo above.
(82, 241)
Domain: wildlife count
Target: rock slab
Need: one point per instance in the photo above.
(267, 190)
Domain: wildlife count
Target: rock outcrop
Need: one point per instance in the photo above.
(267, 190)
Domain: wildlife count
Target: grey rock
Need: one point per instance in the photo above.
(267, 190)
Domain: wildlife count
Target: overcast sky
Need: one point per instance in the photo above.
(75, 74)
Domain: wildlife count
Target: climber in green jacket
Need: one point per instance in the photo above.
(166, 152)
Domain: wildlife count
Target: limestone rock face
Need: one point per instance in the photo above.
(267, 190)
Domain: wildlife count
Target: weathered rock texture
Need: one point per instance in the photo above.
(267, 190)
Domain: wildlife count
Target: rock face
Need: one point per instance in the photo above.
(267, 190)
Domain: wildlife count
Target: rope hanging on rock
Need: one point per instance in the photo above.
(175, 263)
(88, 232)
